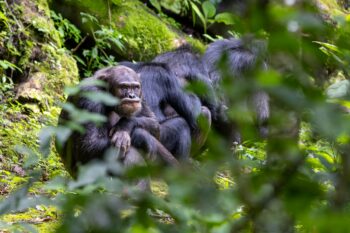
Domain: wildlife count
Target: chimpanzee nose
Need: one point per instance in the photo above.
(132, 96)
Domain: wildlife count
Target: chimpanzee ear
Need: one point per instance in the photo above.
(139, 77)
(103, 74)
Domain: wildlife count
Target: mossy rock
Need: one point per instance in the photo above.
(33, 101)
(145, 35)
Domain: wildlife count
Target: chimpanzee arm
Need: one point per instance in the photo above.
(95, 139)
(148, 121)
(145, 119)
(209, 98)
(184, 105)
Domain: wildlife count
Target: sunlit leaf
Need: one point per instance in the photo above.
(208, 9)
(198, 13)
(226, 18)
(101, 97)
(156, 4)
(328, 46)
(6, 65)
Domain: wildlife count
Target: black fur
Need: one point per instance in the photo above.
(187, 65)
(161, 89)
(81, 148)
(242, 58)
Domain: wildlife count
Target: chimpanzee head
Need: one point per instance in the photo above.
(124, 83)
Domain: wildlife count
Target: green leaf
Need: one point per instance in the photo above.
(6, 65)
(62, 134)
(4, 19)
(117, 43)
(198, 13)
(209, 37)
(156, 5)
(83, 116)
(101, 97)
(45, 138)
(208, 9)
(92, 82)
(328, 46)
(30, 156)
(269, 78)
(226, 18)
(79, 60)
(94, 52)
(85, 17)
(88, 174)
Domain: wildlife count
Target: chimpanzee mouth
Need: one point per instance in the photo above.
(129, 101)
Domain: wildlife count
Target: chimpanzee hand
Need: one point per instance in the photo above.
(121, 140)
(152, 125)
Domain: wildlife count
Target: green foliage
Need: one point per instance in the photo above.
(205, 11)
(66, 29)
(207, 15)
(105, 38)
(288, 182)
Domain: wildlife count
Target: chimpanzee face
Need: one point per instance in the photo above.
(129, 94)
(124, 83)
(127, 90)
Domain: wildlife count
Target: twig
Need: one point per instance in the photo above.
(80, 43)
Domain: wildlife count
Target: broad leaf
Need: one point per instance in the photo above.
(208, 9)
(226, 18)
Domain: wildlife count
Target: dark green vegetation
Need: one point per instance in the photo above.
(288, 183)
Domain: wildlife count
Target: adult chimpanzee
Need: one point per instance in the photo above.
(241, 59)
(129, 118)
(161, 90)
(188, 67)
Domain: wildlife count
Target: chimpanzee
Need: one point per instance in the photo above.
(130, 123)
(161, 90)
(188, 67)
(242, 58)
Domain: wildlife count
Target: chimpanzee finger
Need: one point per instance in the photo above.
(112, 132)
(114, 138)
(122, 154)
(117, 142)
(126, 144)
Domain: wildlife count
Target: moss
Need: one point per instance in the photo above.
(43, 218)
(50, 68)
(36, 15)
(159, 188)
(145, 35)
(36, 49)
(61, 70)
(198, 45)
